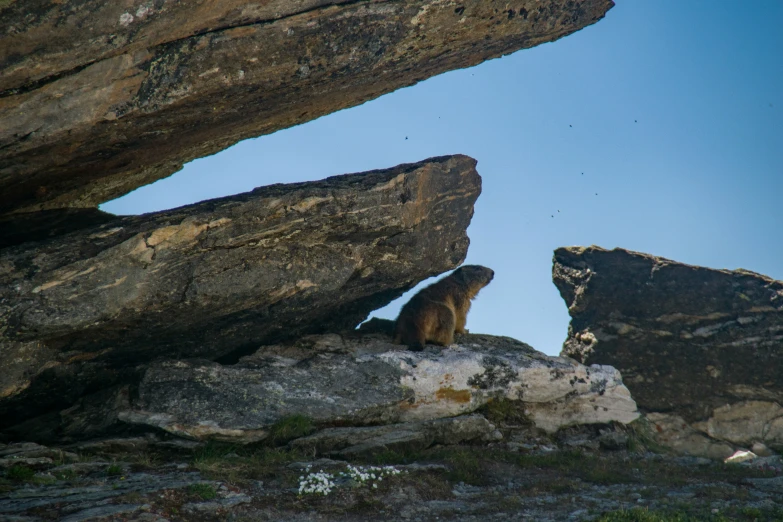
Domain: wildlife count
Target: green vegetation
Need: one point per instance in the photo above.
(20, 473)
(569, 471)
(289, 428)
(465, 466)
(114, 469)
(203, 491)
(219, 461)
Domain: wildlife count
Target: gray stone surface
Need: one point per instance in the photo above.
(408, 436)
(103, 512)
(86, 496)
(361, 380)
(86, 311)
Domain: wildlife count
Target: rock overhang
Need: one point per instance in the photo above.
(97, 99)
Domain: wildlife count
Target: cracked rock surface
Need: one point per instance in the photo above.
(98, 98)
(87, 310)
(700, 349)
(357, 380)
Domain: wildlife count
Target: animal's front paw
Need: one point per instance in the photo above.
(416, 347)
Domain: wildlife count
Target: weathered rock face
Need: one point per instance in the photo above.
(98, 98)
(354, 380)
(349, 442)
(79, 312)
(704, 347)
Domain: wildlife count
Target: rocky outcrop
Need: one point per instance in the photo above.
(98, 98)
(352, 380)
(82, 490)
(462, 483)
(700, 348)
(79, 312)
(408, 436)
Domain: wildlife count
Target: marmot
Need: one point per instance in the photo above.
(440, 310)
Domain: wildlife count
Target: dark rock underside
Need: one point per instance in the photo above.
(97, 99)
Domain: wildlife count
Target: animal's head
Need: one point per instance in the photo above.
(474, 277)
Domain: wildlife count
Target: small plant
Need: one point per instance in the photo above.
(322, 483)
(319, 483)
(370, 475)
(114, 469)
(203, 491)
(289, 428)
(212, 452)
(20, 473)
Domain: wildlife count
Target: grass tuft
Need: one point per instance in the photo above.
(289, 428)
(20, 473)
(464, 464)
(203, 491)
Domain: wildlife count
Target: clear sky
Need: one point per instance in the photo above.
(659, 129)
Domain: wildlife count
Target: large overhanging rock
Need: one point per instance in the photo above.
(79, 312)
(701, 348)
(98, 98)
(358, 380)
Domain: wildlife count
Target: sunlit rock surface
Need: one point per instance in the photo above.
(703, 348)
(366, 380)
(87, 310)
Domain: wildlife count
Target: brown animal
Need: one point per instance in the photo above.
(439, 311)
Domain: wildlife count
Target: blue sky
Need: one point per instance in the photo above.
(673, 111)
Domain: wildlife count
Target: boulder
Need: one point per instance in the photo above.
(356, 380)
(98, 98)
(86, 310)
(700, 348)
